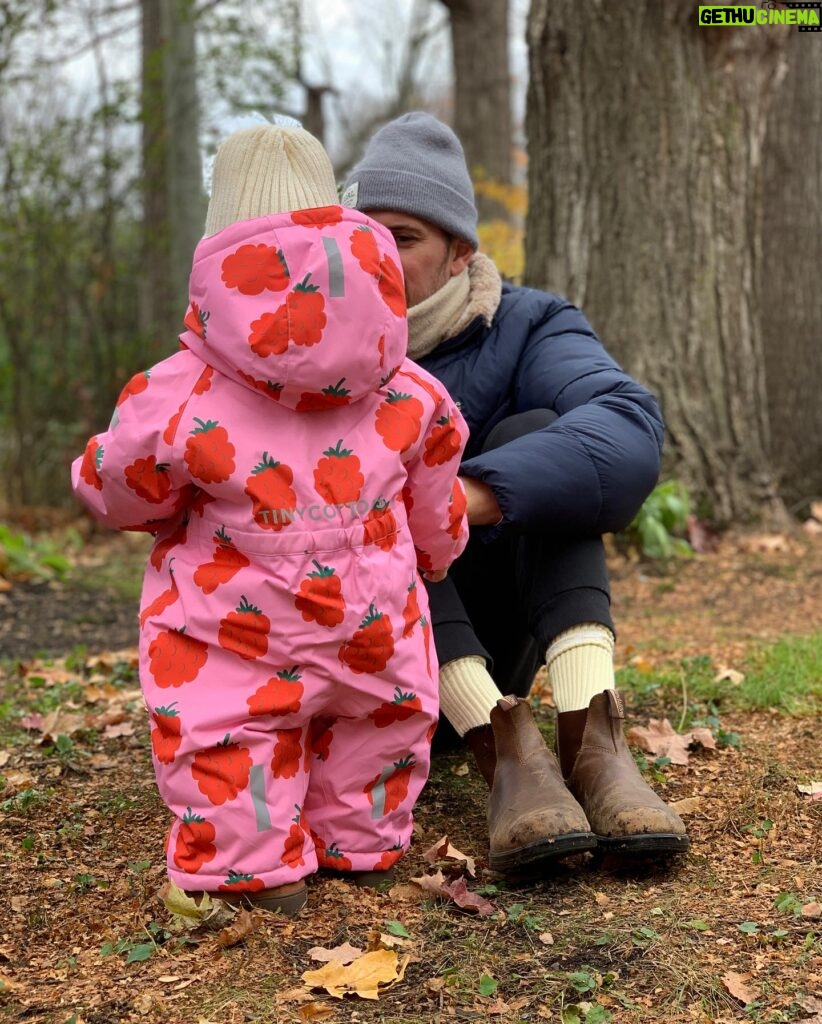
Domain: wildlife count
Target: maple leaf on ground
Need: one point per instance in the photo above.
(339, 954)
(458, 891)
(362, 977)
(658, 738)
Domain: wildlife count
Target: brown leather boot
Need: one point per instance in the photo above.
(480, 741)
(625, 813)
(532, 818)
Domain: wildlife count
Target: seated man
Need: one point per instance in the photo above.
(564, 447)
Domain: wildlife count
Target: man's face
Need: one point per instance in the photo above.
(429, 257)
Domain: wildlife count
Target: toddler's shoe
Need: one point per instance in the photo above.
(284, 899)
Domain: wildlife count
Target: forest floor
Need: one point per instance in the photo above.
(731, 932)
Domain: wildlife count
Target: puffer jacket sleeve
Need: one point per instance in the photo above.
(128, 477)
(590, 470)
(434, 496)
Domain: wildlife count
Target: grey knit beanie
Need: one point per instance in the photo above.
(416, 165)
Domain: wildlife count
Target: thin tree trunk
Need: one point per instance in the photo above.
(482, 90)
(789, 285)
(645, 208)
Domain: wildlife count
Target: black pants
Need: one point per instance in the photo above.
(506, 600)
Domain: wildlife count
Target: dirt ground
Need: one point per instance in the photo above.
(731, 932)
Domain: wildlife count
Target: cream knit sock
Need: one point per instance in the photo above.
(580, 665)
(467, 693)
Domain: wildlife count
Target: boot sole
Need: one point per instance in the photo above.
(289, 904)
(658, 842)
(527, 858)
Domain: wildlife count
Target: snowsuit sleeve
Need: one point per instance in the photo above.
(591, 469)
(128, 477)
(434, 496)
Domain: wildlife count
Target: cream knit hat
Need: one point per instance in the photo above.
(268, 169)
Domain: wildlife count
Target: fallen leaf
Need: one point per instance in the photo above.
(812, 527)
(315, 1011)
(189, 913)
(546, 938)
(362, 977)
(15, 781)
(816, 510)
(812, 792)
(702, 537)
(431, 883)
(238, 931)
(690, 805)
(461, 769)
(339, 954)
(443, 850)
(601, 898)
(4, 757)
(735, 984)
(729, 674)
(458, 891)
(812, 910)
(766, 543)
(658, 737)
(112, 732)
(702, 737)
(61, 723)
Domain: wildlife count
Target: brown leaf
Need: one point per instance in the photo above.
(812, 910)
(315, 1011)
(114, 731)
(816, 510)
(812, 792)
(339, 954)
(458, 891)
(61, 723)
(431, 883)
(239, 930)
(735, 984)
(443, 850)
(659, 738)
(702, 737)
(729, 674)
(690, 805)
(702, 537)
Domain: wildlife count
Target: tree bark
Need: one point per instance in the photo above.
(173, 201)
(645, 208)
(792, 255)
(482, 90)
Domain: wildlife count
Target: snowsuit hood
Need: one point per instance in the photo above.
(277, 302)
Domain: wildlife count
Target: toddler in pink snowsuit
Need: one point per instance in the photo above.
(296, 470)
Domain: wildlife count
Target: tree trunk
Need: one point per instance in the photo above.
(645, 208)
(173, 203)
(791, 257)
(482, 90)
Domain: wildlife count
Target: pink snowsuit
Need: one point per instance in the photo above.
(296, 469)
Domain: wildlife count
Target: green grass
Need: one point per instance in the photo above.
(785, 676)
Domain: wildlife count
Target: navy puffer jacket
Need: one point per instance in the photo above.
(591, 469)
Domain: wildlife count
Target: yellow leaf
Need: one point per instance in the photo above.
(362, 977)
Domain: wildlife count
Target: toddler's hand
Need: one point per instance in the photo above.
(436, 576)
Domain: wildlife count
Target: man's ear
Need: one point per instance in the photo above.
(461, 253)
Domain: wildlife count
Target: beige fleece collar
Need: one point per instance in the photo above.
(473, 293)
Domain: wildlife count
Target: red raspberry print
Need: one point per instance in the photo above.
(380, 526)
(165, 736)
(162, 601)
(195, 843)
(292, 855)
(331, 397)
(331, 858)
(209, 453)
(442, 444)
(426, 385)
(389, 858)
(137, 384)
(364, 249)
(270, 333)
(271, 493)
(399, 419)
(337, 477)
(411, 612)
(268, 387)
(245, 631)
(318, 217)
(162, 548)
(403, 706)
(92, 461)
(176, 658)
(372, 645)
(387, 790)
(319, 598)
(196, 320)
(426, 636)
(222, 772)
(281, 695)
(225, 563)
(203, 381)
(288, 753)
(306, 314)
(171, 427)
(255, 268)
(321, 733)
(392, 286)
(148, 478)
(456, 510)
(237, 881)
